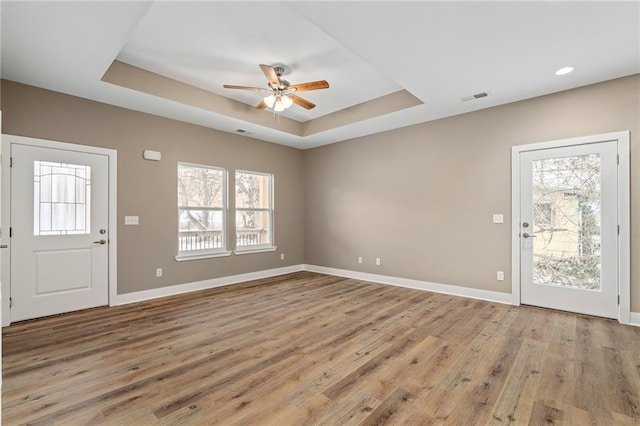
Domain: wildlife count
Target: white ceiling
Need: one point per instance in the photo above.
(438, 51)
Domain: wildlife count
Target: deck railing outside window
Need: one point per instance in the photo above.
(203, 240)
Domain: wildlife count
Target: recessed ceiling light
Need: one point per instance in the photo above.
(565, 70)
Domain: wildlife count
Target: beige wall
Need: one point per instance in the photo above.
(421, 198)
(148, 189)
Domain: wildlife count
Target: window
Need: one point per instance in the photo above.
(254, 211)
(202, 211)
(62, 198)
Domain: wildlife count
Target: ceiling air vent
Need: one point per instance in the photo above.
(476, 96)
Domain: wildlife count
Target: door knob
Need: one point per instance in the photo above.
(100, 242)
(526, 235)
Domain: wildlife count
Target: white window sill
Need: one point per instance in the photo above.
(196, 256)
(251, 250)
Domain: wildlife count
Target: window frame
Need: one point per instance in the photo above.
(256, 248)
(208, 252)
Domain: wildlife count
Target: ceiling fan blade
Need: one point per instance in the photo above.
(261, 105)
(313, 85)
(302, 102)
(231, 86)
(271, 75)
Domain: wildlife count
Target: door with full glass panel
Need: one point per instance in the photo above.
(569, 228)
(60, 235)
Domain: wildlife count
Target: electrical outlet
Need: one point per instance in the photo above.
(500, 275)
(377, 261)
(158, 272)
(360, 259)
(281, 256)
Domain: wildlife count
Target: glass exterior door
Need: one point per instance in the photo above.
(568, 228)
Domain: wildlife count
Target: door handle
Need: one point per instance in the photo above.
(100, 242)
(526, 235)
(3, 246)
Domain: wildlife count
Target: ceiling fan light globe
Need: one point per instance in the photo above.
(278, 107)
(270, 100)
(286, 101)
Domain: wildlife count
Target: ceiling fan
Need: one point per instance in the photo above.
(281, 92)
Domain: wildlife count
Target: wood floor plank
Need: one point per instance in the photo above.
(313, 349)
(521, 384)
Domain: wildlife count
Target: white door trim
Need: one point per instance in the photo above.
(624, 239)
(7, 140)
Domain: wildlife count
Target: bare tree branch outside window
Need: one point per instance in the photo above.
(254, 209)
(200, 207)
(566, 209)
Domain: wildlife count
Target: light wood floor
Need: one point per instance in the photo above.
(306, 349)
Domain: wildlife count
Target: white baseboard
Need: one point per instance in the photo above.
(139, 296)
(472, 293)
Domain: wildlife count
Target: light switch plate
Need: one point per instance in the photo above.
(131, 220)
(498, 218)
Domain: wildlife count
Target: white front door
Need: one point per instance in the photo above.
(60, 234)
(569, 228)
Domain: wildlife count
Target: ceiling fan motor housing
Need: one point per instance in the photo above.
(284, 84)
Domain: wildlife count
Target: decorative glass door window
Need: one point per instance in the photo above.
(62, 198)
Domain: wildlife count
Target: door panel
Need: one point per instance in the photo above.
(59, 218)
(61, 271)
(568, 228)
